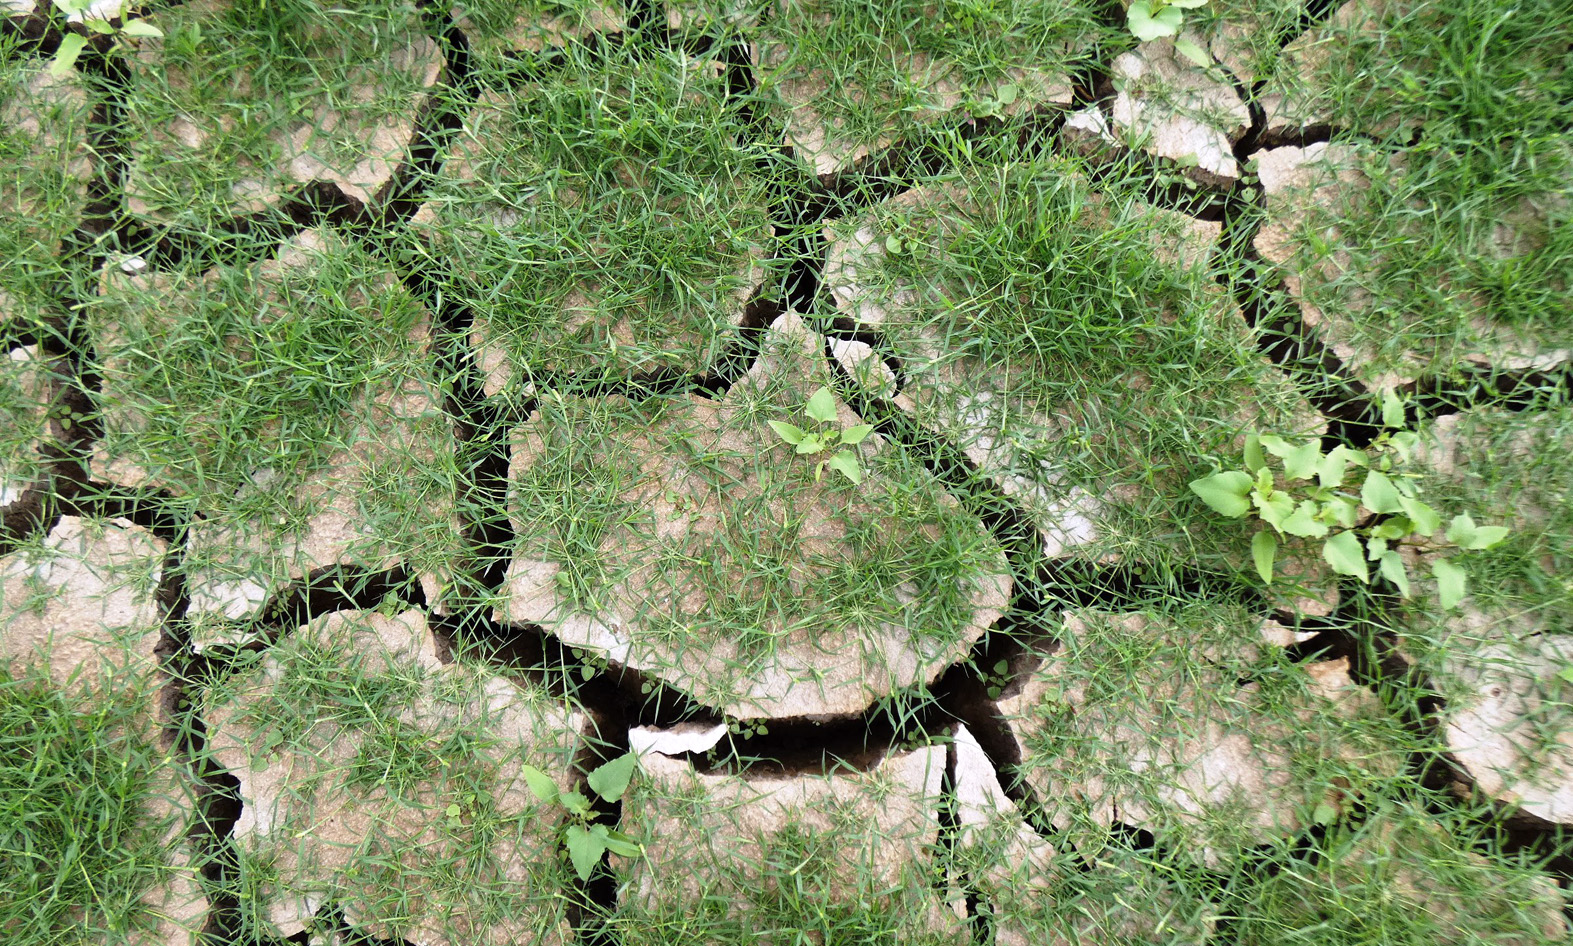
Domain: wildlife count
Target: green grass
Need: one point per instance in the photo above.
(44, 149)
(80, 846)
(606, 220)
(721, 556)
(222, 110)
(851, 76)
(548, 397)
(374, 740)
(1073, 342)
(1462, 235)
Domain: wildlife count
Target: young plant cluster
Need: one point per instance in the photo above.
(586, 841)
(1154, 19)
(72, 44)
(821, 409)
(1359, 518)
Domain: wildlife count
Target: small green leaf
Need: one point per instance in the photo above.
(610, 780)
(1254, 460)
(1006, 93)
(1304, 523)
(846, 463)
(1147, 26)
(1392, 409)
(1302, 462)
(1375, 548)
(788, 432)
(1191, 51)
(1392, 569)
(1345, 512)
(1379, 495)
(1486, 536)
(1404, 441)
(811, 443)
(1461, 531)
(1273, 509)
(585, 850)
(576, 803)
(857, 434)
(1566, 673)
(822, 406)
(1324, 813)
(1330, 472)
(1263, 547)
(1276, 445)
(1424, 517)
(540, 784)
(452, 811)
(71, 46)
(893, 245)
(618, 843)
(1344, 554)
(1225, 492)
(140, 28)
(98, 25)
(1451, 583)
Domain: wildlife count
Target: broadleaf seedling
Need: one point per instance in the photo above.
(586, 841)
(824, 435)
(1317, 499)
(72, 44)
(1153, 19)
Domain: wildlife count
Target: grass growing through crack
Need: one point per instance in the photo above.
(693, 529)
(854, 75)
(388, 785)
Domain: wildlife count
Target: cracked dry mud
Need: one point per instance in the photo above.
(387, 414)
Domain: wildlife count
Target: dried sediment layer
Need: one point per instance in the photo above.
(1022, 441)
(351, 741)
(1173, 109)
(1039, 896)
(711, 511)
(1185, 748)
(769, 860)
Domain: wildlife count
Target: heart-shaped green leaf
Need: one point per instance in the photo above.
(1379, 495)
(846, 463)
(1147, 26)
(856, 434)
(1392, 568)
(1273, 509)
(1303, 521)
(788, 432)
(610, 779)
(540, 784)
(585, 850)
(1225, 492)
(822, 406)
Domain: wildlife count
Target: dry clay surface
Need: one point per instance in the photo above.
(375, 765)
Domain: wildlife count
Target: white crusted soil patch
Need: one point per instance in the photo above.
(1501, 660)
(26, 392)
(82, 608)
(380, 781)
(718, 562)
(1173, 109)
(1143, 720)
(1311, 195)
(773, 860)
